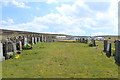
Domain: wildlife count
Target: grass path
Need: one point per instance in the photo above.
(61, 60)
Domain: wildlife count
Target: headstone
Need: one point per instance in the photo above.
(33, 40)
(117, 51)
(7, 49)
(19, 46)
(38, 39)
(1, 52)
(14, 47)
(44, 39)
(105, 45)
(93, 43)
(108, 50)
(25, 41)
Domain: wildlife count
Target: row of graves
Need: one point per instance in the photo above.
(107, 47)
(85, 40)
(108, 50)
(82, 40)
(11, 46)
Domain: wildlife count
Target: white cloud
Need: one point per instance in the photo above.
(15, 3)
(9, 21)
(72, 19)
(51, 1)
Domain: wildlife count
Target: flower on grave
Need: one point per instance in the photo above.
(18, 56)
(113, 48)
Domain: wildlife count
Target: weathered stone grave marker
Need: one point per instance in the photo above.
(93, 42)
(25, 41)
(105, 45)
(35, 40)
(108, 50)
(117, 51)
(1, 52)
(19, 46)
(7, 48)
(14, 47)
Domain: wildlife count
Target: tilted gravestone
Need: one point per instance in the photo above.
(105, 45)
(117, 51)
(108, 50)
(1, 52)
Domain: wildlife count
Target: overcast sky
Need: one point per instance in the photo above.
(72, 17)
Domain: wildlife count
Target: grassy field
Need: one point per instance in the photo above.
(61, 60)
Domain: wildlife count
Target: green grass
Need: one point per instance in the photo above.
(61, 60)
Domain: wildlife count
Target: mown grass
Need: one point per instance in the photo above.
(61, 60)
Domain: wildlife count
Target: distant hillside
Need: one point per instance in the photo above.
(12, 33)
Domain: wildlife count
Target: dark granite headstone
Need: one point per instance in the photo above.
(7, 48)
(93, 43)
(108, 50)
(117, 51)
(105, 45)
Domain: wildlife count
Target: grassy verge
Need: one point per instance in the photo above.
(61, 60)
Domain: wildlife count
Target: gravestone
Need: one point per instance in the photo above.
(117, 51)
(38, 39)
(105, 45)
(35, 40)
(19, 46)
(44, 39)
(93, 43)
(7, 48)
(1, 52)
(14, 48)
(108, 50)
(25, 41)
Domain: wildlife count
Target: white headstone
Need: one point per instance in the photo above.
(36, 40)
(33, 40)
(1, 52)
(25, 41)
